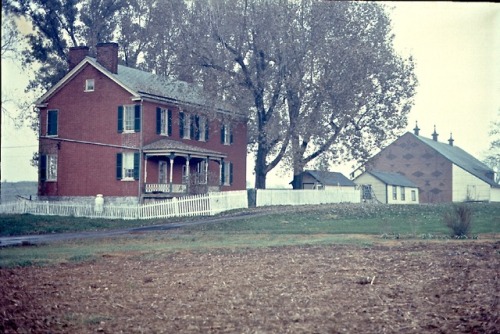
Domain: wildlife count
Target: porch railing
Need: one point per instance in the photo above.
(165, 188)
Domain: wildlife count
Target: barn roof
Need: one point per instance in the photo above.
(460, 158)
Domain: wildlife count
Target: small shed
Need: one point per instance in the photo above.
(324, 180)
(386, 187)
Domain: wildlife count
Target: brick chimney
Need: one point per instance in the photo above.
(107, 56)
(76, 55)
(435, 135)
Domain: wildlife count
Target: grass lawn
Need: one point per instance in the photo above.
(274, 226)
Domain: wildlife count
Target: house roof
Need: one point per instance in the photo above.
(393, 179)
(167, 146)
(145, 85)
(460, 158)
(330, 178)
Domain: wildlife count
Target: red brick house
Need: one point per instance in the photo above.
(442, 172)
(132, 135)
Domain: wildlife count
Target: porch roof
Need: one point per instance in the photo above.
(167, 146)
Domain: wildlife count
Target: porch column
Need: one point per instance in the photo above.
(171, 159)
(206, 170)
(145, 170)
(187, 172)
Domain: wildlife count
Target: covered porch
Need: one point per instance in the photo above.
(173, 169)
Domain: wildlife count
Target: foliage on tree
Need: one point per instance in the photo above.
(320, 80)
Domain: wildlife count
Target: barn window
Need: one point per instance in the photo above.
(413, 195)
(394, 192)
(403, 195)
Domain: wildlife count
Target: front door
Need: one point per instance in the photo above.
(163, 175)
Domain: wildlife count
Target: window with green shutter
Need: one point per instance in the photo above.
(129, 118)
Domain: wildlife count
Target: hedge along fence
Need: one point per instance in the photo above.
(196, 205)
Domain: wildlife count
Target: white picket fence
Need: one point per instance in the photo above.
(196, 205)
(268, 197)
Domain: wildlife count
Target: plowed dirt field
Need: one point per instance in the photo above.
(403, 287)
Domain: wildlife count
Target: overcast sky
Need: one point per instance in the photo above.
(456, 47)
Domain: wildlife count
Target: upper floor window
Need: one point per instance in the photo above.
(129, 118)
(52, 118)
(163, 121)
(89, 85)
(48, 167)
(185, 125)
(201, 128)
(226, 134)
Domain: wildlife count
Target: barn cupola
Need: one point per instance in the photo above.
(451, 140)
(416, 130)
(435, 134)
(76, 55)
(107, 56)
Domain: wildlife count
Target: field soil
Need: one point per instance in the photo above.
(389, 287)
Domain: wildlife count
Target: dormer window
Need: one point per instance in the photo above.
(89, 85)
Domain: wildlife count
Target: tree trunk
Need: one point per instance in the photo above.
(260, 167)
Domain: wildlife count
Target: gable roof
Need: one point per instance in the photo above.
(460, 158)
(393, 179)
(330, 178)
(145, 85)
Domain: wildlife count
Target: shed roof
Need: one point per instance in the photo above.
(330, 178)
(393, 179)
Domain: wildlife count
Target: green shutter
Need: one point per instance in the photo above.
(181, 124)
(119, 166)
(158, 120)
(196, 127)
(136, 166)
(222, 172)
(191, 126)
(120, 119)
(206, 129)
(137, 118)
(230, 135)
(231, 173)
(169, 122)
(222, 130)
(43, 167)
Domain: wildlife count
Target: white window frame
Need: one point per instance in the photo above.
(394, 193)
(403, 193)
(129, 118)
(89, 85)
(128, 166)
(227, 134)
(187, 126)
(164, 121)
(202, 124)
(414, 195)
(51, 167)
(227, 173)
